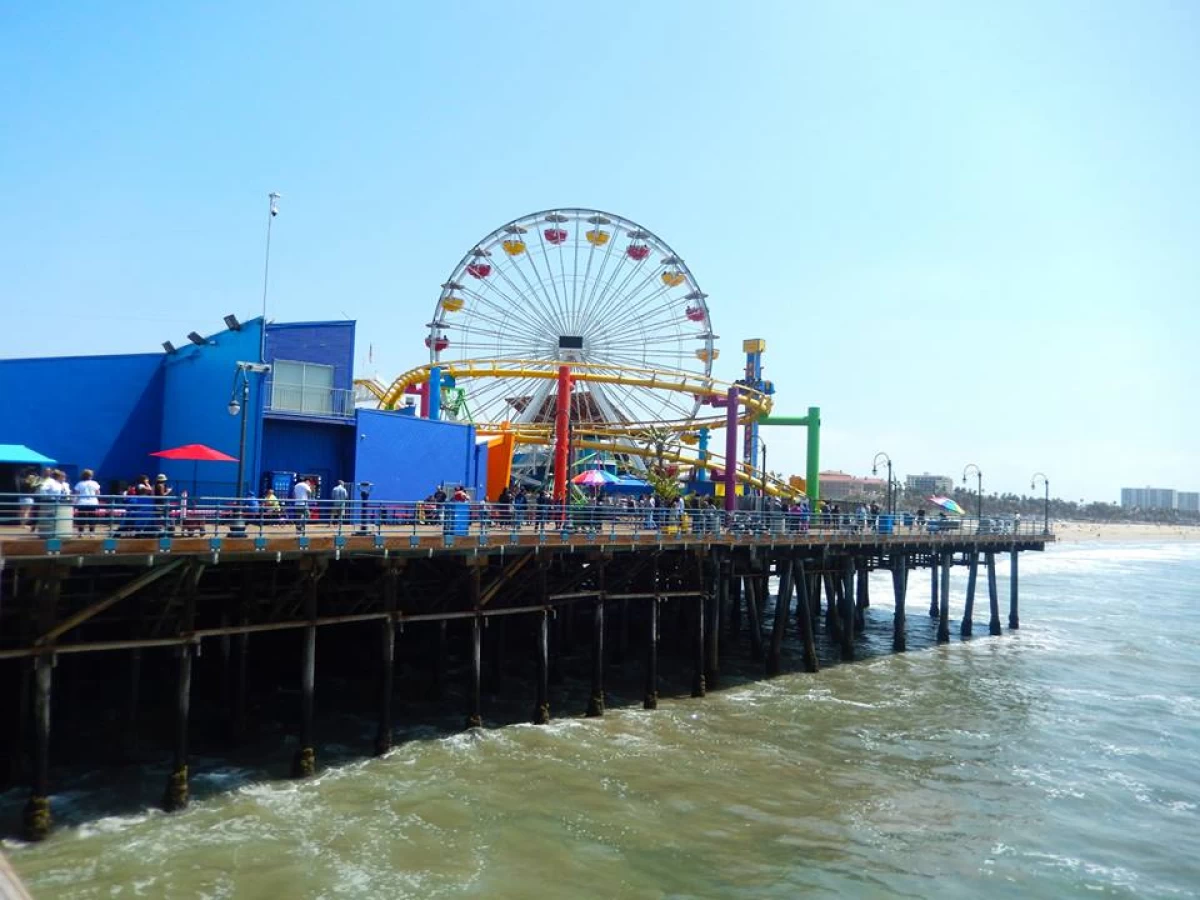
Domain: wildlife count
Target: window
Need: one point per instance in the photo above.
(302, 387)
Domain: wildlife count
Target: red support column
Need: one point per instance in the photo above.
(731, 450)
(562, 431)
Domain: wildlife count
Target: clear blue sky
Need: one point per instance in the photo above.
(970, 233)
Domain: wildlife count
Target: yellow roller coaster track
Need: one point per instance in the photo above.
(753, 405)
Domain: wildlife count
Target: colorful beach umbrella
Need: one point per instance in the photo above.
(948, 505)
(594, 478)
(196, 454)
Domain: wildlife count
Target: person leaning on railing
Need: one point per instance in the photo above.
(87, 502)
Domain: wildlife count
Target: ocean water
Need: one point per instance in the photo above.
(1061, 760)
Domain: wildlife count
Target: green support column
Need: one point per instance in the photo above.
(812, 469)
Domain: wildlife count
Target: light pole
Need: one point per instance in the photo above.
(979, 489)
(763, 473)
(1046, 507)
(875, 471)
(238, 406)
(273, 212)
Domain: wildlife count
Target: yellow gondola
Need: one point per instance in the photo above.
(672, 279)
(689, 438)
(704, 356)
(513, 247)
(597, 237)
(452, 304)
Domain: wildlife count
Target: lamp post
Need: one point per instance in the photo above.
(875, 471)
(1046, 507)
(239, 402)
(763, 473)
(979, 488)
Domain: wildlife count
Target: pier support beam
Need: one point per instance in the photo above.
(861, 596)
(800, 582)
(899, 588)
(754, 617)
(1014, 619)
(437, 686)
(175, 797)
(943, 631)
(699, 688)
(474, 708)
(993, 595)
(833, 621)
(784, 568)
(541, 709)
(713, 601)
(387, 635)
(650, 695)
(846, 607)
(36, 816)
(596, 698)
(934, 609)
(304, 764)
(132, 701)
(969, 608)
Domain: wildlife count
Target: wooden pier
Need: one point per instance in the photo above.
(178, 615)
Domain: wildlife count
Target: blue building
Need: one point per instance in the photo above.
(109, 413)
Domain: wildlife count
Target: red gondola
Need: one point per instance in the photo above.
(695, 313)
(479, 270)
(440, 343)
(555, 235)
(637, 252)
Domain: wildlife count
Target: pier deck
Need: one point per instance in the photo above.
(429, 593)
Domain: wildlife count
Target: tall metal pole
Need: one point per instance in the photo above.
(241, 470)
(875, 471)
(979, 489)
(273, 211)
(1046, 506)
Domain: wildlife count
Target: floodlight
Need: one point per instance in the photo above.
(196, 339)
(232, 323)
(168, 346)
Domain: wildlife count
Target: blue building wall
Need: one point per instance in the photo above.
(327, 343)
(96, 412)
(309, 448)
(197, 385)
(406, 458)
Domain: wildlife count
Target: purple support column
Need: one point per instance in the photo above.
(731, 449)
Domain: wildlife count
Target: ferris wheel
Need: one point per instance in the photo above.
(573, 286)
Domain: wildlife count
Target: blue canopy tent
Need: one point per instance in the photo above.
(626, 485)
(20, 455)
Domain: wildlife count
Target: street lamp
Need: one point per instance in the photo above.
(239, 403)
(763, 474)
(875, 471)
(1046, 508)
(979, 489)
(273, 210)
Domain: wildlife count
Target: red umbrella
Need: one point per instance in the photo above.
(197, 453)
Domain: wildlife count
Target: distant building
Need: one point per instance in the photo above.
(1150, 498)
(1188, 501)
(837, 485)
(930, 484)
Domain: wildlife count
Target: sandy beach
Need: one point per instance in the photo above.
(1123, 531)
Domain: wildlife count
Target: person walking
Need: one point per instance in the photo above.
(341, 497)
(301, 494)
(87, 502)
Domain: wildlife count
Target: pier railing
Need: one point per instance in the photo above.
(55, 518)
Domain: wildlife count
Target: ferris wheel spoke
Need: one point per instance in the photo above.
(531, 294)
(657, 316)
(615, 284)
(623, 298)
(501, 319)
(564, 323)
(513, 308)
(623, 312)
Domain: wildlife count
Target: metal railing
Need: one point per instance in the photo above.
(307, 400)
(55, 517)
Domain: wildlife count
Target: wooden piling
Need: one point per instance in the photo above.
(1014, 619)
(993, 595)
(800, 583)
(861, 601)
(387, 636)
(475, 708)
(833, 622)
(847, 608)
(36, 817)
(699, 686)
(437, 687)
(784, 570)
(541, 709)
(596, 698)
(175, 795)
(934, 607)
(969, 606)
(712, 598)
(899, 588)
(650, 695)
(733, 596)
(753, 617)
(943, 632)
(305, 762)
(129, 737)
